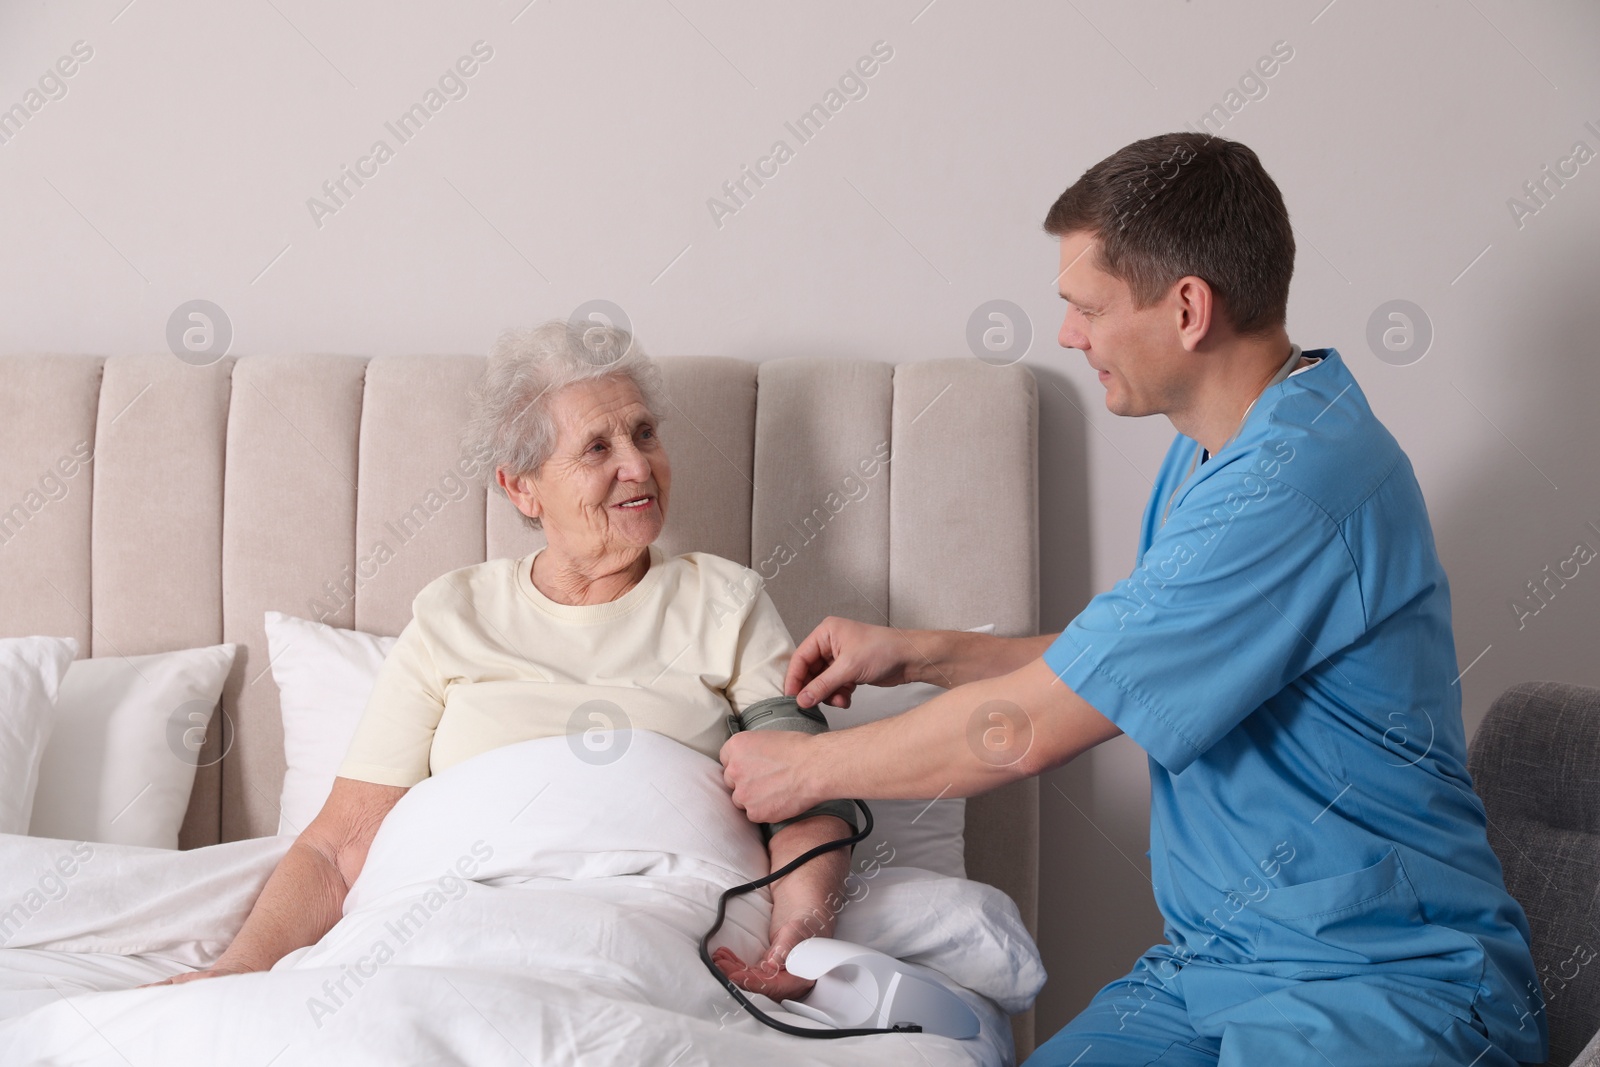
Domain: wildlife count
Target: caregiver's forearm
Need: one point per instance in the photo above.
(969, 740)
(300, 902)
(816, 889)
(956, 657)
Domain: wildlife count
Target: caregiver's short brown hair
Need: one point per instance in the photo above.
(1181, 204)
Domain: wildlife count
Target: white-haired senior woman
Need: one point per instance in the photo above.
(505, 651)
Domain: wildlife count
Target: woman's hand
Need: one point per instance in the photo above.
(841, 654)
(194, 976)
(805, 903)
(767, 975)
(304, 897)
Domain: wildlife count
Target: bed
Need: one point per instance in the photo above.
(218, 493)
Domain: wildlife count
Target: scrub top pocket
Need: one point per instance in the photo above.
(1366, 922)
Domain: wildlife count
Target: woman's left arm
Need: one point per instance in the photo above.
(805, 903)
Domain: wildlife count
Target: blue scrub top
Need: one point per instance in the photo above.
(1283, 653)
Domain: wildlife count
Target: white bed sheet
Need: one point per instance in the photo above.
(32, 977)
(496, 921)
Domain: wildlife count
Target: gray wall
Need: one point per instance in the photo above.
(580, 162)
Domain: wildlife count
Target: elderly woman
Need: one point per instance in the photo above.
(511, 650)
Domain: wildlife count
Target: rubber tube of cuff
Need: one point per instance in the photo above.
(750, 887)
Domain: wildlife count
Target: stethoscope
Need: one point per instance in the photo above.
(1281, 376)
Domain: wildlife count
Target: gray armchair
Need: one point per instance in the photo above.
(1536, 764)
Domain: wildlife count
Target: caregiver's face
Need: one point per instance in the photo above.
(604, 488)
(1133, 350)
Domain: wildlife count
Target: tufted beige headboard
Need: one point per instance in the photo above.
(326, 487)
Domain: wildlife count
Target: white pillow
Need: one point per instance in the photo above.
(120, 765)
(930, 834)
(324, 677)
(31, 669)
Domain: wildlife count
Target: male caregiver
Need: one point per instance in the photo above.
(1282, 652)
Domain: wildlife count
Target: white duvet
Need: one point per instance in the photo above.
(523, 907)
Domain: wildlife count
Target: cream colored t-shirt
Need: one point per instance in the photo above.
(488, 660)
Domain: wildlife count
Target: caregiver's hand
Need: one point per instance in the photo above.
(841, 654)
(767, 772)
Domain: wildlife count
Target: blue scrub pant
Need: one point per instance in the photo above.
(1221, 1016)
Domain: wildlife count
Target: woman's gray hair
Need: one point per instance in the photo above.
(511, 424)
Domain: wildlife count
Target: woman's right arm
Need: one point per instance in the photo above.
(304, 898)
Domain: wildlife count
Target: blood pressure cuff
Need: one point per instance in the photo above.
(785, 713)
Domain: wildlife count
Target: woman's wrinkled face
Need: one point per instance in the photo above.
(603, 490)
